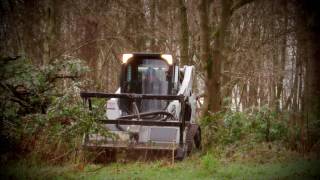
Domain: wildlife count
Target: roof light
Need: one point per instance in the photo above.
(168, 58)
(126, 57)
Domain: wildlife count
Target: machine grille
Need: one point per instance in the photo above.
(163, 134)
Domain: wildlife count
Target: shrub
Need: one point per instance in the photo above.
(57, 135)
(266, 125)
(229, 127)
(209, 163)
(43, 115)
(209, 126)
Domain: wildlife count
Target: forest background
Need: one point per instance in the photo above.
(257, 70)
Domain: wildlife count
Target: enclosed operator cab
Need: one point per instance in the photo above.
(146, 74)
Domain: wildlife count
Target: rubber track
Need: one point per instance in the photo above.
(192, 130)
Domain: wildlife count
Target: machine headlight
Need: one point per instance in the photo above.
(126, 57)
(168, 58)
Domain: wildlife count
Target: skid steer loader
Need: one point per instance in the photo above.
(153, 109)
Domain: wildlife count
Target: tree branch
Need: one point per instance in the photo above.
(61, 76)
(238, 4)
(7, 59)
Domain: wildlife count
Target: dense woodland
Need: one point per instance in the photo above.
(257, 64)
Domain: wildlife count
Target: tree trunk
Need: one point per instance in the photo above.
(153, 8)
(214, 72)
(308, 17)
(48, 25)
(204, 46)
(184, 34)
(282, 59)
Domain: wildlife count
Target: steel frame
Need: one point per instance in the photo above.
(128, 120)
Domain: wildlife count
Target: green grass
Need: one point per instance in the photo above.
(196, 167)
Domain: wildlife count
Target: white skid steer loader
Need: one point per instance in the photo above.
(154, 107)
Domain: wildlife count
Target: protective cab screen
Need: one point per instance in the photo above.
(147, 76)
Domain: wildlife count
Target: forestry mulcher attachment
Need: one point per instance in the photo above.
(153, 109)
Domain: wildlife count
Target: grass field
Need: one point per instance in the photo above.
(195, 167)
